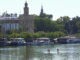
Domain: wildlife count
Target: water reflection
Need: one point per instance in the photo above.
(66, 52)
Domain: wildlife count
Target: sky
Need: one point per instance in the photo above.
(57, 8)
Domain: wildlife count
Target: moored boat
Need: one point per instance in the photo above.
(17, 42)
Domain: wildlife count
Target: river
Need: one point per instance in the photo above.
(57, 52)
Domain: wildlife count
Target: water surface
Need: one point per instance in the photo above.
(66, 52)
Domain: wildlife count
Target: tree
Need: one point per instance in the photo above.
(44, 24)
(78, 25)
(75, 27)
(63, 20)
(60, 27)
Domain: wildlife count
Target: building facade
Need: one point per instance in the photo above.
(11, 22)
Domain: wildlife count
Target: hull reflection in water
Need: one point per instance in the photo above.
(64, 52)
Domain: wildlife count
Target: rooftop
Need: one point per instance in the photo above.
(8, 18)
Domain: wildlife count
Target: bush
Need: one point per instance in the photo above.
(58, 34)
(14, 35)
(26, 35)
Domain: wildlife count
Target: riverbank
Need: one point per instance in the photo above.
(38, 41)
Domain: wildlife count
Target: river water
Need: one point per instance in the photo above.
(57, 52)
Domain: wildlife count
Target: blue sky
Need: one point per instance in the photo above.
(57, 8)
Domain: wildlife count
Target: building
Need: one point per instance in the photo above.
(10, 22)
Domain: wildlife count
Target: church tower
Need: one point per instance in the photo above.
(26, 9)
(26, 20)
(41, 13)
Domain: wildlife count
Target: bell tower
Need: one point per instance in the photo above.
(26, 20)
(26, 9)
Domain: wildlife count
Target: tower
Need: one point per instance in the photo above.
(26, 9)
(41, 13)
(26, 20)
